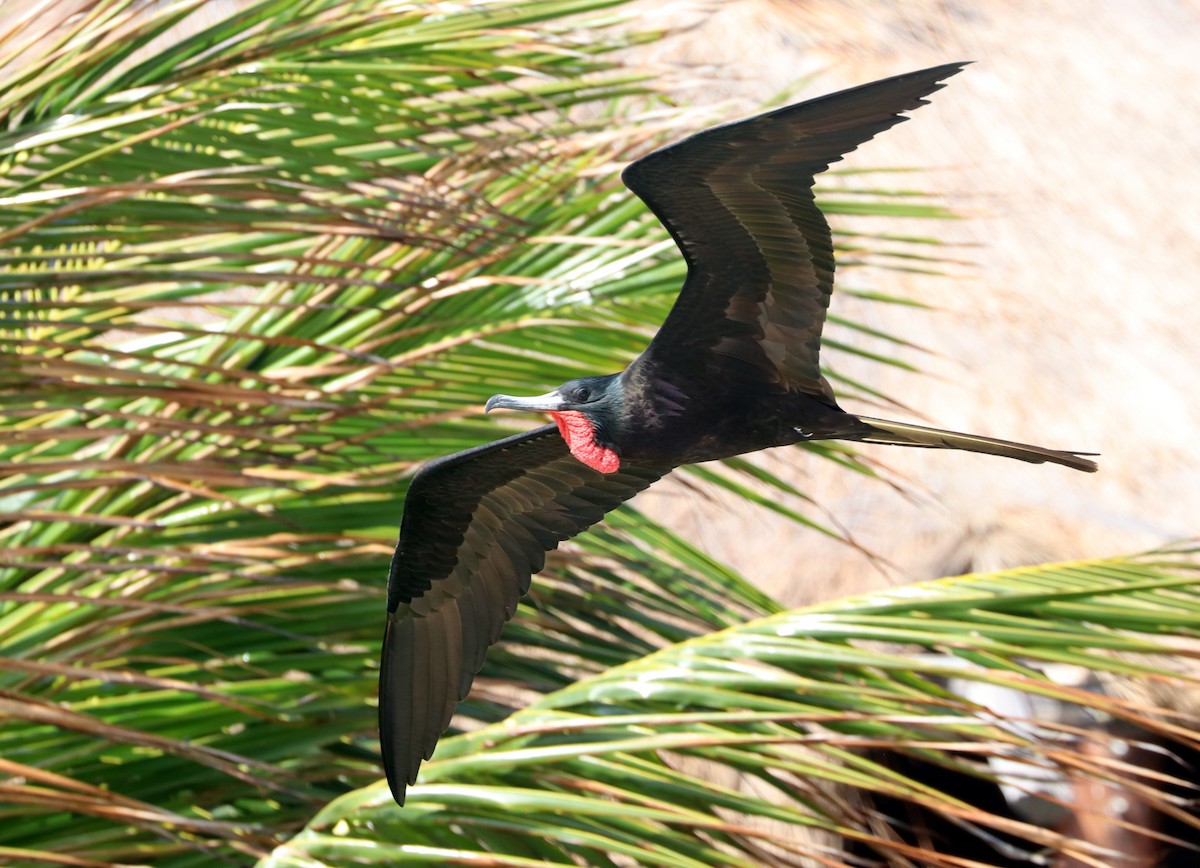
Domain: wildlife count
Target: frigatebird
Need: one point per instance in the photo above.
(733, 369)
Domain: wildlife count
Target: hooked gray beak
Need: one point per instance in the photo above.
(549, 402)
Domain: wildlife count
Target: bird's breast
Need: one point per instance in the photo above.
(705, 431)
(724, 425)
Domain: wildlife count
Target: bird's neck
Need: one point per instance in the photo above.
(579, 432)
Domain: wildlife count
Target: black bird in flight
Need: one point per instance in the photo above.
(733, 369)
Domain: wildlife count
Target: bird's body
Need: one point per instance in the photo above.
(679, 429)
(734, 369)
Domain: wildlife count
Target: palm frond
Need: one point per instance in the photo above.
(825, 714)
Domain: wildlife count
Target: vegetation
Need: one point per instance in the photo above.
(813, 709)
(251, 278)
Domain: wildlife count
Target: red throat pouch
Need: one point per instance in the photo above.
(581, 440)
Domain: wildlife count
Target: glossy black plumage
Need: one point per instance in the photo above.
(476, 526)
(734, 368)
(738, 200)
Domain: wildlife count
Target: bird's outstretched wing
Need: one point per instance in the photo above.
(738, 201)
(476, 526)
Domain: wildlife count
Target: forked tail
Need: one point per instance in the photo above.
(903, 434)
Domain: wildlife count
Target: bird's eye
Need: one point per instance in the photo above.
(579, 396)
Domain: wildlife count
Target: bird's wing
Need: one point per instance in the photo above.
(738, 201)
(476, 526)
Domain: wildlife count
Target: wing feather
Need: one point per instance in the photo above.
(476, 526)
(738, 201)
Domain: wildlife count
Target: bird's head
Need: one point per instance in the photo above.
(587, 412)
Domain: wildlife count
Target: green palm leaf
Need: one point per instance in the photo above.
(806, 705)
